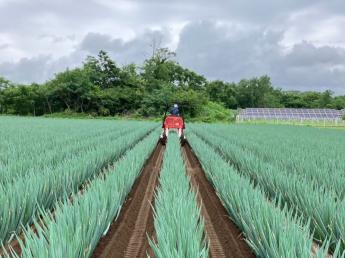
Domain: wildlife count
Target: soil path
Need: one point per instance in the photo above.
(225, 238)
(128, 235)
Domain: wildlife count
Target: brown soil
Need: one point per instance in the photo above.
(225, 238)
(14, 244)
(128, 235)
(315, 248)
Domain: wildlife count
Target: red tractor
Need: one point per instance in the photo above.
(173, 122)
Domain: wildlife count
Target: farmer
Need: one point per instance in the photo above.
(175, 110)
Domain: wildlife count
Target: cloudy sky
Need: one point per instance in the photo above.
(299, 43)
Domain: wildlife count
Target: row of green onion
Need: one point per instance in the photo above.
(271, 228)
(313, 154)
(20, 201)
(76, 227)
(316, 206)
(177, 220)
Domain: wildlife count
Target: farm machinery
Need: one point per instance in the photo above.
(173, 122)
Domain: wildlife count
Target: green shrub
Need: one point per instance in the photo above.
(69, 114)
(104, 111)
(214, 112)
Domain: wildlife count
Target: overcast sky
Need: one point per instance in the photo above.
(299, 43)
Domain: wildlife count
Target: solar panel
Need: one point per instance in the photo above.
(291, 114)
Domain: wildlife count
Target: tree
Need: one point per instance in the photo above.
(4, 83)
(190, 101)
(18, 100)
(157, 102)
(221, 92)
(161, 55)
(72, 88)
(185, 78)
(326, 99)
(2, 100)
(130, 76)
(103, 71)
(311, 99)
(338, 102)
(158, 69)
(101, 87)
(46, 92)
(161, 69)
(258, 92)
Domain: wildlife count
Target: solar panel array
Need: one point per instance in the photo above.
(289, 114)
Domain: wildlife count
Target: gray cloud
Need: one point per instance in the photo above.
(4, 45)
(26, 69)
(306, 54)
(223, 52)
(124, 52)
(40, 68)
(43, 67)
(298, 43)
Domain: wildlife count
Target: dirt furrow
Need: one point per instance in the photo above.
(127, 236)
(225, 238)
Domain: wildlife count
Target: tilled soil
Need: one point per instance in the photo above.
(225, 238)
(128, 235)
(14, 245)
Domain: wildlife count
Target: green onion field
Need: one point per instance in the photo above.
(73, 188)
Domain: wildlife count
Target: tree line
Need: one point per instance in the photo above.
(100, 87)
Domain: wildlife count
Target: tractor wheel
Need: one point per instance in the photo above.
(182, 140)
(163, 139)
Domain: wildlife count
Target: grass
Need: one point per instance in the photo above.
(319, 124)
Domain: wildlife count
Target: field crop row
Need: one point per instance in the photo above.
(31, 145)
(76, 227)
(316, 206)
(313, 154)
(21, 199)
(271, 232)
(178, 224)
